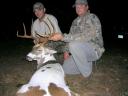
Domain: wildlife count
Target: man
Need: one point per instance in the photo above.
(85, 42)
(44, 26)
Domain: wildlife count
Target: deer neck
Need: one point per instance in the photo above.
(49, 58)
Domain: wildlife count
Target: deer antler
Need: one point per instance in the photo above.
(25, 35)
(41, 39)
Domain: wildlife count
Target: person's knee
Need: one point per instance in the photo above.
(73, 45)
(87, 74)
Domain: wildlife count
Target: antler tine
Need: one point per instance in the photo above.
(24, 29)
(32, 23)
(25, 35)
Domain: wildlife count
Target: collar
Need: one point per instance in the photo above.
(49, 62)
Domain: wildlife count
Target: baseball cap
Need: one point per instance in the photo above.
(80, 2)
(38, 5)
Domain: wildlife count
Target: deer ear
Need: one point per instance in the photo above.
(51, 51)
(36, 45)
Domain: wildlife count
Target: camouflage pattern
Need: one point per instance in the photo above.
(87, 28)
(59, 47)
(56, 45)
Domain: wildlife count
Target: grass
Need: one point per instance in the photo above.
(109, 77)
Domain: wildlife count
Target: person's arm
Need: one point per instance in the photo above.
(86, 31)
(55, 24)
(33, 34)
(98, 38)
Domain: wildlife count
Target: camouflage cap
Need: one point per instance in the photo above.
(80, 2)
(38, 5)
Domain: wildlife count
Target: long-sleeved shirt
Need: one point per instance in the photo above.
(87, 28)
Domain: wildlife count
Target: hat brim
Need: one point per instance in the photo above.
(79, 3)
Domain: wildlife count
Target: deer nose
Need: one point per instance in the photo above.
(28, 58)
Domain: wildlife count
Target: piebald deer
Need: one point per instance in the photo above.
(47, 80)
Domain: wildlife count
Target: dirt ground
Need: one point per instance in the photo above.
(109, 76)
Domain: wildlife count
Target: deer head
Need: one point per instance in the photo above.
(41, 54)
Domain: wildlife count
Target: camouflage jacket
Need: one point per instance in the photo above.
(87, 28)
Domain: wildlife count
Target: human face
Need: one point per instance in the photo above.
(81, 9)
(39, 13)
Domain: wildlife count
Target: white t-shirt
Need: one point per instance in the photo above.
(48, 25)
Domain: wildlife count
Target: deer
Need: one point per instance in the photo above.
(49, 78)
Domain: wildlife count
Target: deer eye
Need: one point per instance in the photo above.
(48, 67)
(39, 50)
(42, 70)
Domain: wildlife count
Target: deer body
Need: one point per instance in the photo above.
(49, 78)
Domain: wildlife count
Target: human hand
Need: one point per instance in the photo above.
(40, 40)
(56, 37)
(66, 55)
(43, 39)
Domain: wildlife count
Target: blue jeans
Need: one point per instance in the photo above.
(80, 61)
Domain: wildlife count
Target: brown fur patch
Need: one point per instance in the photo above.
(56, 91)
(33, 91)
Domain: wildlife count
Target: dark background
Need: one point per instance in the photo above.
(112, 14)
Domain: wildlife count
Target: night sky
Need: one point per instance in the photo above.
(110, 12)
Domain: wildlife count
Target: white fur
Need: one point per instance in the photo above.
(41, 55)
(49, 73)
